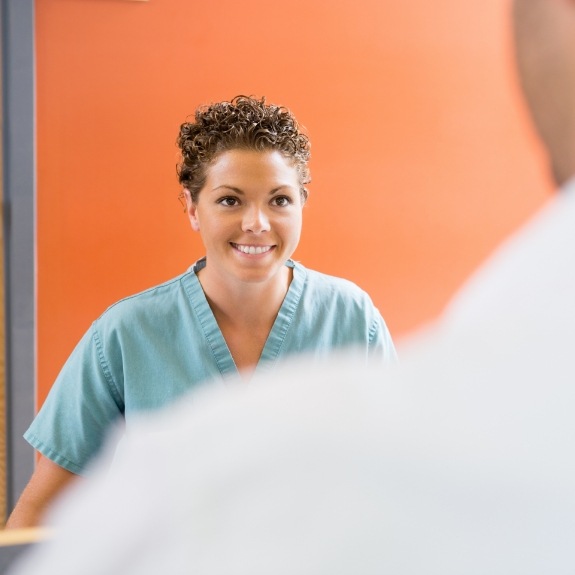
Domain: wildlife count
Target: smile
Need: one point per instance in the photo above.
(252, 250)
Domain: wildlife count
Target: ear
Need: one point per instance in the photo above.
(192, 210)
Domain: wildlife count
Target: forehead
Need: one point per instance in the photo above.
(250, 166)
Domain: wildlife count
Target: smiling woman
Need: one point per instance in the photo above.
(249, 216)
(244, 307)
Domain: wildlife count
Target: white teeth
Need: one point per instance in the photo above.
(253, 249)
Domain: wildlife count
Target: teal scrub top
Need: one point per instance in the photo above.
(151, 348)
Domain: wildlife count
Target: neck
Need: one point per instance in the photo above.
(247, 303)
(568, 183)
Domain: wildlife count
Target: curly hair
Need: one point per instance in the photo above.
(246, 123)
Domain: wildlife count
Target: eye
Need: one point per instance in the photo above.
(228, 201)
(282, 201)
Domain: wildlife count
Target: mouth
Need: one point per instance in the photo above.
(251, 249)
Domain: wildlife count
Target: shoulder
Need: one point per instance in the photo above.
(326, 295)
(336, 313)
(159, 300)
(321, 284)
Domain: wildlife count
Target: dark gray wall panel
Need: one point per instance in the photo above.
(19, 228)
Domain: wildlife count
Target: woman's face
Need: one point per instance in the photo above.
(249, 214)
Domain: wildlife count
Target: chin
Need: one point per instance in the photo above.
(255, 278)
(256, 275)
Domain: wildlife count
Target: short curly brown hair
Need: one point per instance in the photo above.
(244, 122)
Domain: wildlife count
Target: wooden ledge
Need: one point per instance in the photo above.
(23, 536)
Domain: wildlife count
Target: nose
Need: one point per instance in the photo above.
(255, 220)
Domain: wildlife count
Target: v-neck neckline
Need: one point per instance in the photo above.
(215, 338)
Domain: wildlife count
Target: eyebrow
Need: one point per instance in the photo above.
(241, 193)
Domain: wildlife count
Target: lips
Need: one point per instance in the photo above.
(251, 249)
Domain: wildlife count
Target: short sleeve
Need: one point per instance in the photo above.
(381, 348)
(82, 406)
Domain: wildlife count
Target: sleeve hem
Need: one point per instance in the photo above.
(51, 454)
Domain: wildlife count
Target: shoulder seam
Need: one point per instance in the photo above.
(146, 291)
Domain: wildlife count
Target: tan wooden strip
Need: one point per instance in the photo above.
(23, 536)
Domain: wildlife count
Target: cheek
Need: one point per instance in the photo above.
(293, 226)
(299, 218)
(213, 227)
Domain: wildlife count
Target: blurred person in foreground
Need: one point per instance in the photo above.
(465, 464)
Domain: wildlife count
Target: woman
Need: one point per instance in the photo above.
(245, 306)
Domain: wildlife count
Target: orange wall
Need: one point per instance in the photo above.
(422, 156)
